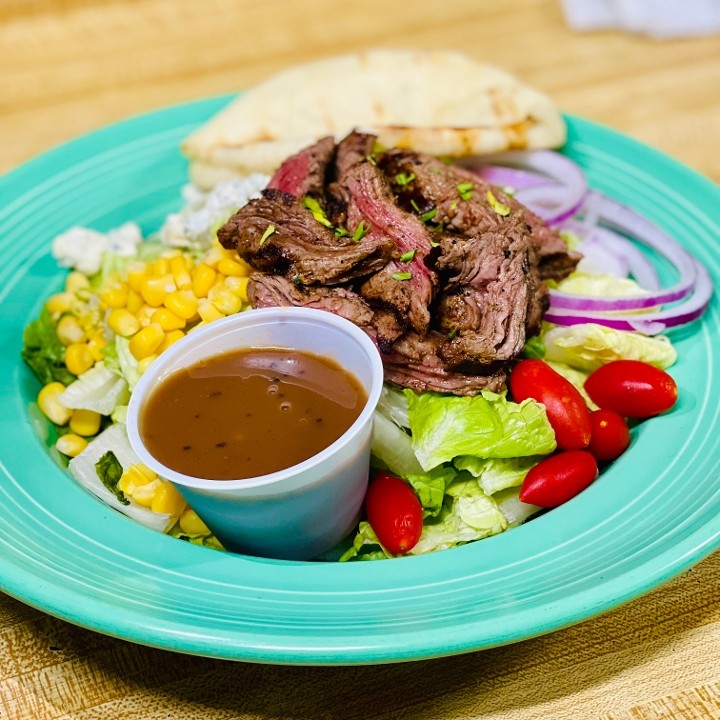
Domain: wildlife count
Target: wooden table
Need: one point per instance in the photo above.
(69, 66)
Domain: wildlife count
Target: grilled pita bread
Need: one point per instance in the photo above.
(443, 103)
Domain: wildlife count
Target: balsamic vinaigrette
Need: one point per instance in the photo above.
(249, 412)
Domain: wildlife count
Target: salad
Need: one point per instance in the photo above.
(464, 460)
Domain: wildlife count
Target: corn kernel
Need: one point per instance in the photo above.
(155, 289)
(168, 500)
(191, 523)
(51, 406)
(160, 267)
(85, 422)
(76, 281)
(238, 286)
(95, 345)
(137, 272)
(170, 339)
(115, 296)
(78, 358)
(144, 315)
(60, 302)
(146, 341)
(123, 322)
(183, 303)
(202, 280)
(178, 268)
(144, 494)
(145, 363)
(134, 301)
(71, 444)
(208, 312)
(69, 330)
(214, 255)
(224, 300)
(232, 268)
(168, 320)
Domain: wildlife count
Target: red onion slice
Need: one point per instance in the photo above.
(621, 218)
(647, 323)
(510, 177)
(553, 202)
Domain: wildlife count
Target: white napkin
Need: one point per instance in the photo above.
(658, 18)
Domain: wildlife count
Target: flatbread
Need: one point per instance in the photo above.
(442, 103)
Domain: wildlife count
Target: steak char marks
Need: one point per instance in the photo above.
(442, 270)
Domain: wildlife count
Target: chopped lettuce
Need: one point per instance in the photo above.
(466, 514)
(97, 389)
(431, 487)
(485, 425)
(109, 470)
(588, 346)
(83, 469)
(43, 351)
(599, 285)
(495, 474)
(516, 512)
(392, 448)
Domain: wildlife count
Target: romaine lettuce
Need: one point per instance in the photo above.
(485, 425)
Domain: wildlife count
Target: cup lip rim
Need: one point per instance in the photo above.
(261, 316)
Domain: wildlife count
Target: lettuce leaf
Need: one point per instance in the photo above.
(430, 487)
(485, 425)
(97, 389)
(43, 351)
(588, 346)
(497, 474)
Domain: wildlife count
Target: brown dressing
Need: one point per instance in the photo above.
(249, 412)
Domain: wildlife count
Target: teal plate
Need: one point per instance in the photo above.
(651, 515)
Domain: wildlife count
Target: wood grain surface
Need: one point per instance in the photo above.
(70, 66)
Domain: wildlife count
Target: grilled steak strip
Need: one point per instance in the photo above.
(304, 173)
(461, 203)
(369, 201)
(487, 314)
(277, 234)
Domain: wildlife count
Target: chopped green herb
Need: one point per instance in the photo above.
(453, 205)
(465, 189)
(429, 215)
(377, 148)
(269, 230)
(371, 160)
(496, 205)
(415, 206)
(317, 212)
(408, 256)
(109, 470)
(341, 232)
(404, 178)
(452, 334)
(402, 276)
(298, 281)
(434, 244)
(360, 231)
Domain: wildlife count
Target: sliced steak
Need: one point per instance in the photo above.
(304, 173)
(486, 307)
(408, 285)
(277, 291)
(462, 204)
(354, 148)
(277, 234)
(415, 363)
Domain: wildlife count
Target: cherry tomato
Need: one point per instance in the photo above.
(610, 435)
(566, 410)
(632, 389)
(394, 512)
(558, 478)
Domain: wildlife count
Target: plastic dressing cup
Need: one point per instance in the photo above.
(302, 511)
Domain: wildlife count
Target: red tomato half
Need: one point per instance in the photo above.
(394, 512)
(558, 478)
(610, 435)
(566, 410)
(632, 389)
